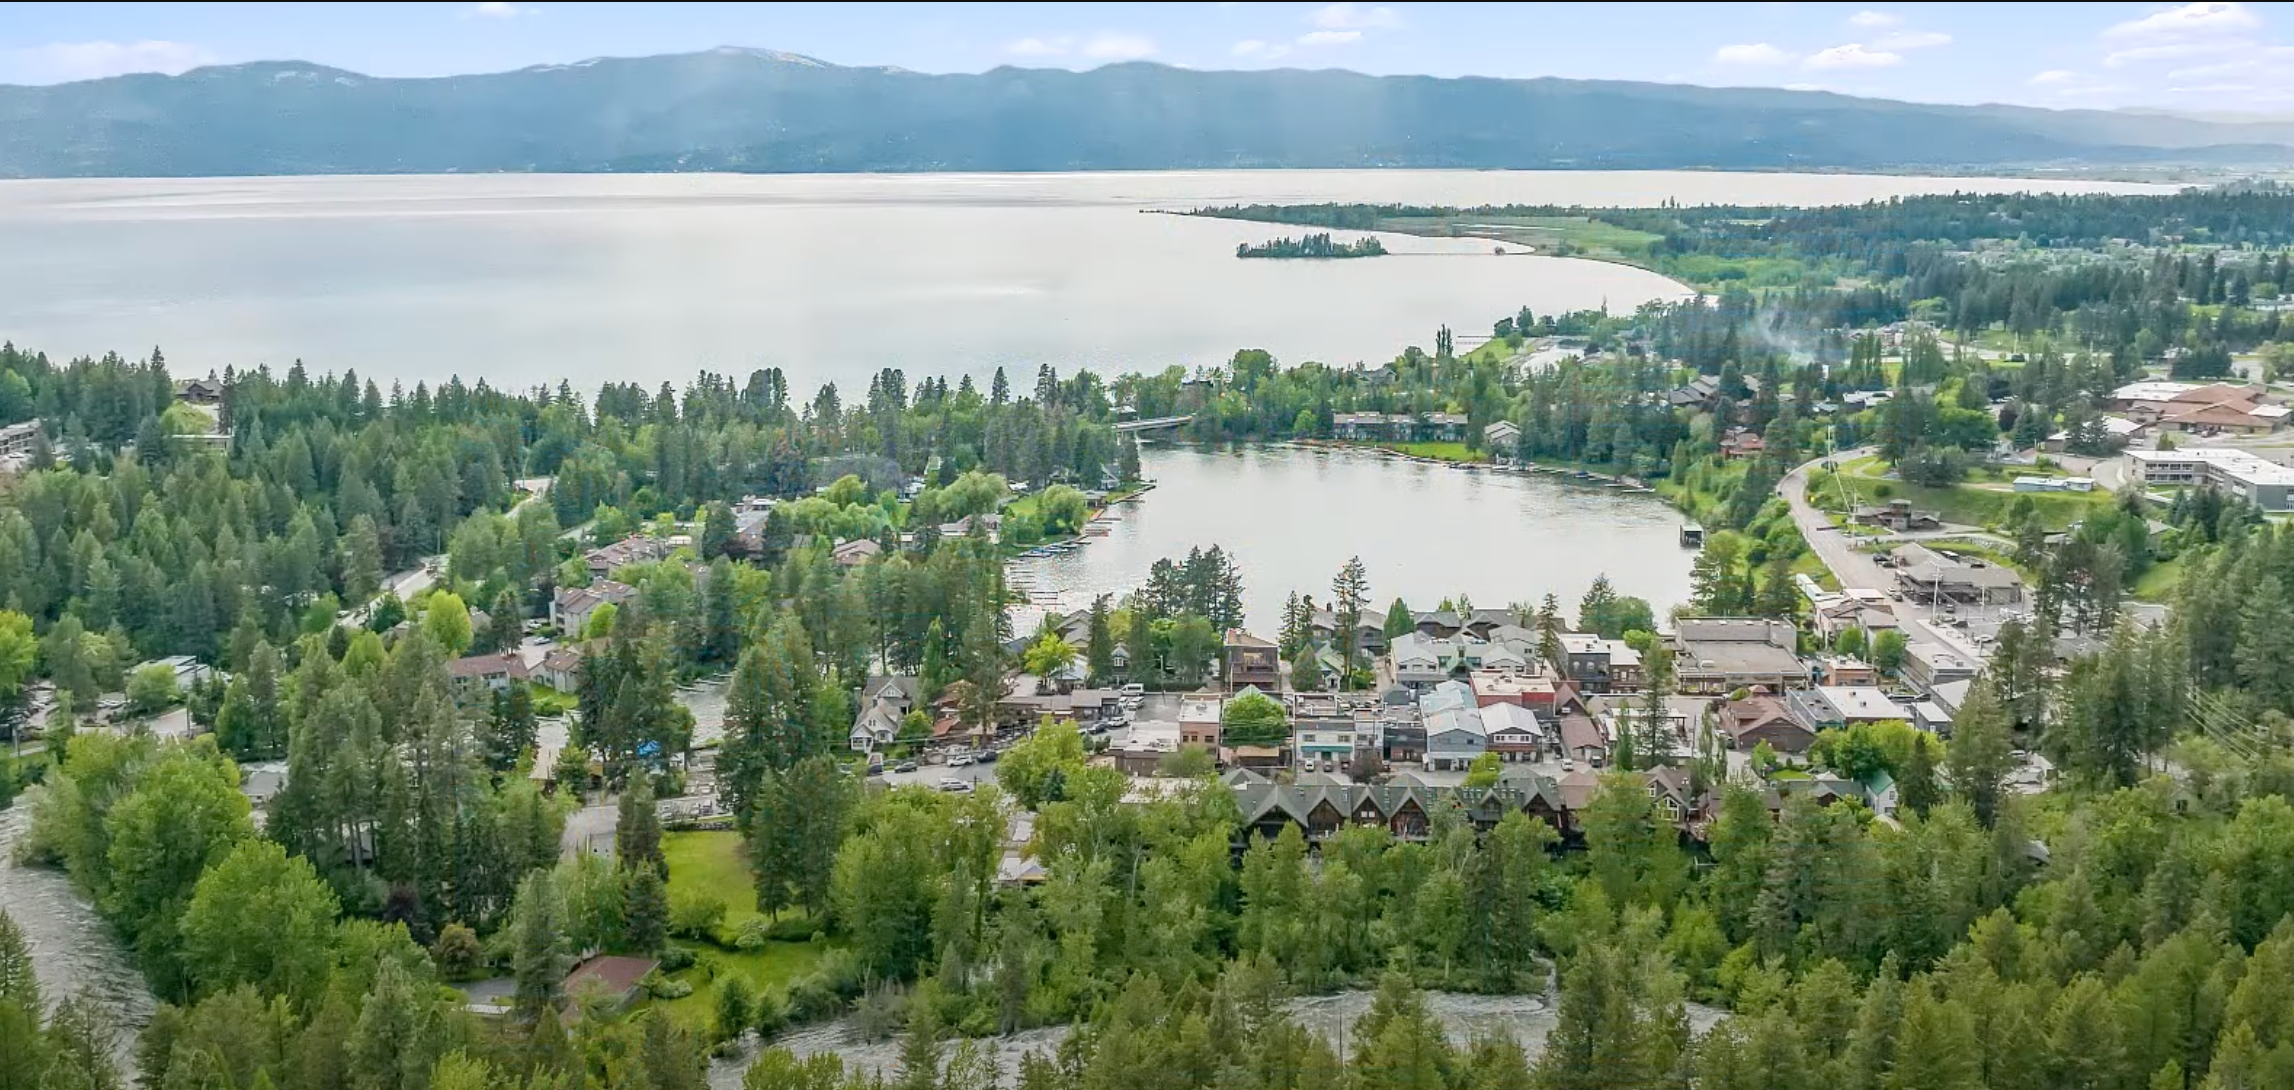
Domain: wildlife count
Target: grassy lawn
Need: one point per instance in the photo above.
(1965, 505)
(1445, 452)
(715, 862)
(772, 966)
(2158, 582)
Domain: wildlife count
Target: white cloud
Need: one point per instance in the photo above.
(1874, 19)
(1751, 55)
(1118, 47)
(2053, 77)
(1260, 50)
(1330, 37)
(2213, 17)
(1852, 55)
(61, 62)
(1912, 39)
(496, 11)
(1040, 47)
(1346, 16)
(2173, 51)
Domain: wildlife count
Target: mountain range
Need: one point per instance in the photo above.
(738, 109)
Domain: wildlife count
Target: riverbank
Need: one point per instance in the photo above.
(1527, 1020)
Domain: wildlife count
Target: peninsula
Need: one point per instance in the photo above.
(1312, 246)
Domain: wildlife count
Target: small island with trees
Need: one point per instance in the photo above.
(1312, 246)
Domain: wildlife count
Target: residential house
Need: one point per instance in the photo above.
(1368, 427)
(1455, 734)
(990, 526)
(1323, 733)
(1501, 438)
(17, 441)
(1843, 671)
(1742, 443)
(1855, 608)
(1533, 691)
(885, 701)
(561, 668)
(1880, 793)
(617, 980)
(1897, 515)
(1481, 623)
(493, 671)
(1929, 665)
(1761, 717)
(1442, 427)
(199, 391)
(1320, 808)
(1419, 661)
(1401, 732)
(1514, 733)
(1439, 624)
(1716, 655)
(854, 553)
(634, 549)
(1251, 661)
(1827, 706)
(572, 608)
(1199, 723)
(1701, 392)
(1582, 739)
(1595, 665)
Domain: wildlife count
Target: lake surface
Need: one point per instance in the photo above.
(1291, 515)
(525, 279)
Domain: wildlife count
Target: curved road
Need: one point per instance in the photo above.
(1836, 547)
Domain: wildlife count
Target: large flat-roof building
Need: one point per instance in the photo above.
(2262, 482)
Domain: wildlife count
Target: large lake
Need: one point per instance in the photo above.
(1292, 515)
(525, 279)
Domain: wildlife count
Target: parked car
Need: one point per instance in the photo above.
(953, 784)
(987, 756)
(904, 766)
(959, 760)
(1134, 690)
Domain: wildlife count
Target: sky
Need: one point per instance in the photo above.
(2211, 57)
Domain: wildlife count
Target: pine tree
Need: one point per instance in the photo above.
(645, 910)
(538, 957)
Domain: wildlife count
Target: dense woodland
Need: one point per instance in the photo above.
(2127, 930)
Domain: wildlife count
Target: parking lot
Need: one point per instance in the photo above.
(933, 767)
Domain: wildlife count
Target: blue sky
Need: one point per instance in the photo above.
(2212, 57)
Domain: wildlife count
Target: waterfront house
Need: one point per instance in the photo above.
(1367, 427)
(1251, 661)
(1442, 427)
(1742, 443)
(1761, 717)
(1716, 655)
(1501, 438)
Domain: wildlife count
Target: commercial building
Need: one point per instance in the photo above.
(1832, 706)
(2263, 483)
(1716, 655)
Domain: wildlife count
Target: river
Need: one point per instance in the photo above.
(1527, 1019)
(533, 279)
(1292, 515)
(73, 950)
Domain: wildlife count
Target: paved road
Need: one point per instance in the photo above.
(1836, 547)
